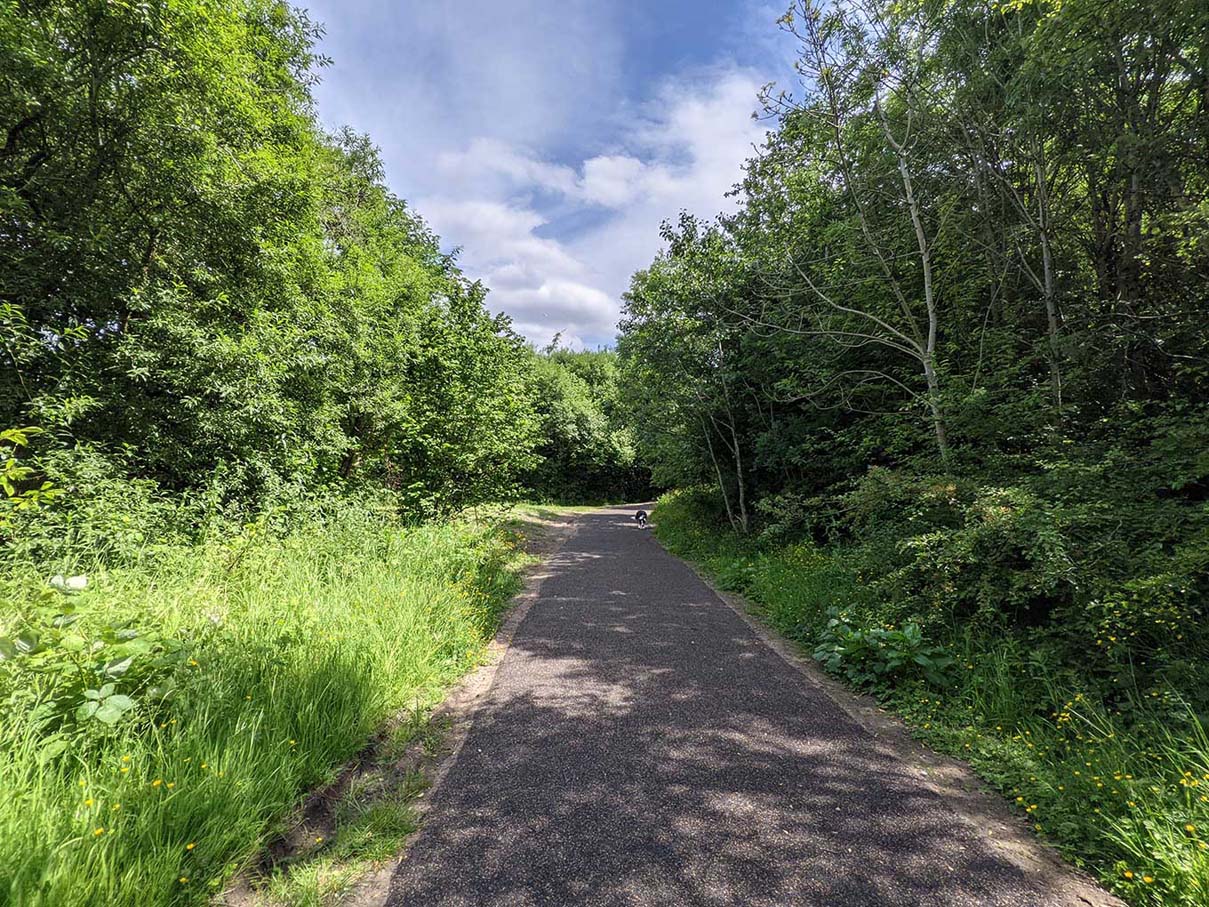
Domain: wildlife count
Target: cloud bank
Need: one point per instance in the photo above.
(536, 145)
(684, 154)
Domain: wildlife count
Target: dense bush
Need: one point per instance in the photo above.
(204, 291)
(879, 655)
(585, 451)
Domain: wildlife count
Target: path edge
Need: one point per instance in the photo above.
(459, 711)
(968, 795)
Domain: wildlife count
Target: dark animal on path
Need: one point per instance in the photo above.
(640, 518)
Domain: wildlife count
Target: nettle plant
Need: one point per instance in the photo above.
(66, 674)
(874, 657)
(71, 676)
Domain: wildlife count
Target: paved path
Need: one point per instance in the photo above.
(641, 745)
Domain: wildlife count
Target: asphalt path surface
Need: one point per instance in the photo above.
(641, 745)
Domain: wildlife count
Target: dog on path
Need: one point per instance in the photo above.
(641, 518)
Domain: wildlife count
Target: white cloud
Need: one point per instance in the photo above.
(612, 180)
(491, 164)
(492, 234)
(684, 153)
(423, 76)
(514, 129)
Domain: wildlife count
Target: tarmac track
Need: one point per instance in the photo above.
(642, 745)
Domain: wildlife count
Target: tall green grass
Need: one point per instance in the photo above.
(1122, 790)
(279, 658)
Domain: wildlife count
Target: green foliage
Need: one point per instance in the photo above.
(22, 491)
(101, 516)
(944, 366)
(879, 656)
(679, 380)
(247, 361)
(925, 275)
(162, 717)
(208, 292)
(585, 451)
(1112, 772)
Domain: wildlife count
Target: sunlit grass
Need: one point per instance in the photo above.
(371, 827)
(297, 649)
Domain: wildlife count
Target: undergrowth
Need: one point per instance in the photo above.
(162, 718)
(1116, 774)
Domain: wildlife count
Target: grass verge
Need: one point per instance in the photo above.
(163, 720)
(1121, 790)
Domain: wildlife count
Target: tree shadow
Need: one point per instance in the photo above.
(641, 745)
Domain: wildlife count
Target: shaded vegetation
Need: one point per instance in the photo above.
(1118, 779)
(585, 451)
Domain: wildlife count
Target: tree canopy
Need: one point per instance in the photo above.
(203, 291)
(959, 315)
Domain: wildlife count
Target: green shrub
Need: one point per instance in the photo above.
(101, 516)
(879, 656)
(584, 451)
(23, 490)
(1102, 747)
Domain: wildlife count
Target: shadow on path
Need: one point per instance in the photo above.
(641, 746)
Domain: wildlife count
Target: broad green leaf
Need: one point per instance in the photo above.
(119, 666)
(53, 747)
(87, 710)
(108, 713)
(27, 642)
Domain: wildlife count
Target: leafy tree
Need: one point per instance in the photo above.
(958, 321)
(201, 287)
(585, 451)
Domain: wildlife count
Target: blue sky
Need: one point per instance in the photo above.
(549, 138)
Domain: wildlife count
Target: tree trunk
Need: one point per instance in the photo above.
(937, 413)
(739, 477)
(1047, 283)
(925, 258)
(730, 516)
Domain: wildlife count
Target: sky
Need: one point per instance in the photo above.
(548, 139)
